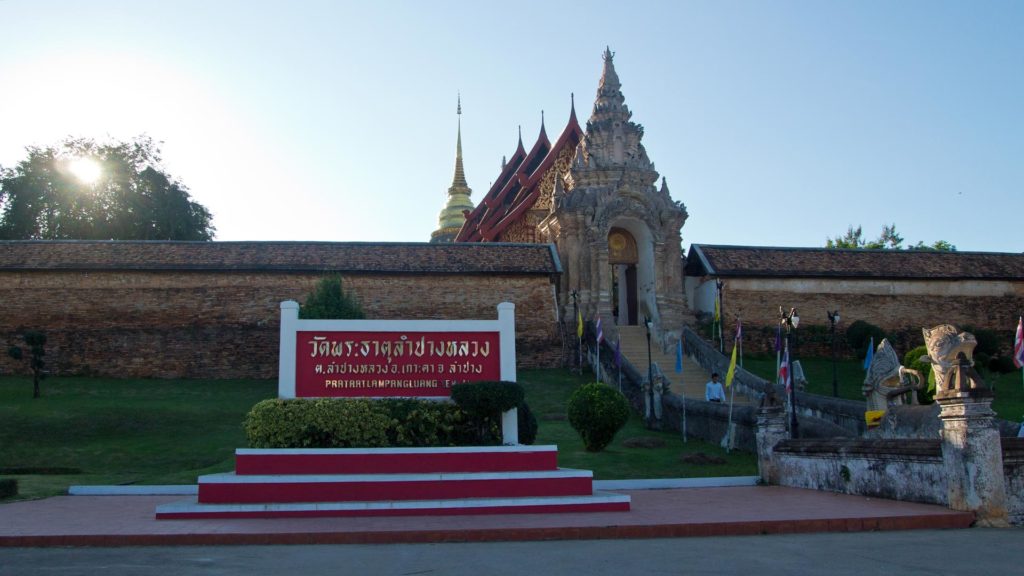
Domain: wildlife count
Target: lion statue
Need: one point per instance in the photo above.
(950, 353)
(887, 381)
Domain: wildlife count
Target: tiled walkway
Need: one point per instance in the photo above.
(717, 511)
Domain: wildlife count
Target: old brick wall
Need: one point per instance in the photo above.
(224, 324)
(901, 313)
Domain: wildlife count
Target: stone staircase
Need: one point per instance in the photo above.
(690, 383)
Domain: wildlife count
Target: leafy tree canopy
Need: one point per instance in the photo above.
(81, 189)
(889, 239)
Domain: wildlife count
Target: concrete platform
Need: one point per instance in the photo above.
(713, 511)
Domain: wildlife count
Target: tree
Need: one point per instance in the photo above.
(81, 189)
(940, 245)
(889, 239)
(36, 342)
(852, 239)
(329, 301)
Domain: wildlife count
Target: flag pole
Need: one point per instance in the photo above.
(683, 394)
(732, 396)
(739, 338)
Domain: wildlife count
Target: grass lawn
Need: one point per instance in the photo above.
(104, 431)
(121, 431)
(1008, 404)
(547, 392)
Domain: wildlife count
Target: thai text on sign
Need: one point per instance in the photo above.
(391, 358)
(381, 364)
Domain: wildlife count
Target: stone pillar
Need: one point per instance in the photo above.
(771, 429)
(973, 455)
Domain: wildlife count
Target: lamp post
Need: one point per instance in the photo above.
(790, 321)
(833, 319)
(650, 374)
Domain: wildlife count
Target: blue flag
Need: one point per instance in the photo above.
(870, 355)
(618, 353)
(679, 356)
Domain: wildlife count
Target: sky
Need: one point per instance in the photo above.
(775, 123)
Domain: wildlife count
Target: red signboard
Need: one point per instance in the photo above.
(392, 364)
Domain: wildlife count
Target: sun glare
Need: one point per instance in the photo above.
(86, 170)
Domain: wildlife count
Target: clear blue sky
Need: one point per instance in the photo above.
(775, 123)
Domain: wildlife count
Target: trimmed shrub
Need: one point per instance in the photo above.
(424, 423)
(859, 334)
(487, 398)
(483, 403)
(597, 412)
(527, 424)
(317, 423)
(8, 487)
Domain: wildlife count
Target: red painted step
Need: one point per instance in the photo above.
(395, 460)
(250, 489)
(598, 502)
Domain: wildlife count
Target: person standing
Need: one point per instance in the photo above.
(713, 391)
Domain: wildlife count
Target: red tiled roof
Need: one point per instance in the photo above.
(347, 257)
(518, 186)
(768, 262)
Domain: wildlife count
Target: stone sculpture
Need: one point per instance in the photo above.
(887, 381)
(950, 353)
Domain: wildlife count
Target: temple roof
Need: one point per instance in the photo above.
(517, 187)
(769, 262)
(343, 257)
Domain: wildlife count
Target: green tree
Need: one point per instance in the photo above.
(127, 195)
(889, 239)
(940, 245)
(329, 301)
(854, 238)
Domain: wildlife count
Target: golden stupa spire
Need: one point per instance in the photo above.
(453, 215)
(460, 174)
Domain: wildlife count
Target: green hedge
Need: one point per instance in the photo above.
(317, 423)
(364, 423)
(8, 487)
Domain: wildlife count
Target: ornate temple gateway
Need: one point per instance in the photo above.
(592, 194)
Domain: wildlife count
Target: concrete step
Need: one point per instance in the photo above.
(689, 383)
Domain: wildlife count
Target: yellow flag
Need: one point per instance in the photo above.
(873, 417)
(579, 324)
(732, 367)
(718, 313)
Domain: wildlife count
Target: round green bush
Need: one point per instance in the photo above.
(597, 412)
(914, 359)
(859, 334)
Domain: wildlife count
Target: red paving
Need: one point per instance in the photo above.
(721, 511)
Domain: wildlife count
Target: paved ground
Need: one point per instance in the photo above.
(905, 553)
(712, 511)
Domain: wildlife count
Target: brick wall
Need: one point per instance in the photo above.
(901, 315)
(223, 324)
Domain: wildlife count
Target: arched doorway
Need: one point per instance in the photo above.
(623, 258)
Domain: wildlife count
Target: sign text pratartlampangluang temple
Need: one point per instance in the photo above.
(379, 364)
(392, 358)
